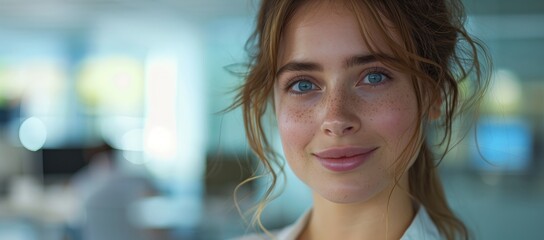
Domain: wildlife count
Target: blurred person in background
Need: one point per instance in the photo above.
(105, 194)
(355, 88)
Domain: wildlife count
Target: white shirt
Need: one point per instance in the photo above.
(421, 228)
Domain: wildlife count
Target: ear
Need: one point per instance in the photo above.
(435, 109)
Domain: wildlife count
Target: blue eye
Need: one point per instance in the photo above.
(374, 78)
(303, 86)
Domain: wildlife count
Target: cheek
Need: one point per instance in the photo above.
(296, 127)
(397, 121)
(402, 144)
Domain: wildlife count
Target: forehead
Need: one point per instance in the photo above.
(323, 27)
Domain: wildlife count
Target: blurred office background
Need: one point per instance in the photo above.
(110, 123)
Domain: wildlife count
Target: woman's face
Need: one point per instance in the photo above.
(344, 118)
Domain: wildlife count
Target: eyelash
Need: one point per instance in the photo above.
(294, 81)
(375, 70)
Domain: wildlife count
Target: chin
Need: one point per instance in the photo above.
(351, 194)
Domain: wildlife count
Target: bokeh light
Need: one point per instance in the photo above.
(33, 134)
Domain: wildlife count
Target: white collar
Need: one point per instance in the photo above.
(421, 228)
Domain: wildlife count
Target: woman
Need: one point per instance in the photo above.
(355, 86)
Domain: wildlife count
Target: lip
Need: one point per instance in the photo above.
(343, 159)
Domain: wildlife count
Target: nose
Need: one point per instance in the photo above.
(340, 119)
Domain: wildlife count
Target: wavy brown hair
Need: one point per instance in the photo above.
(436, 51)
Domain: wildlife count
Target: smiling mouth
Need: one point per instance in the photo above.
(343, 152)
(344, 159)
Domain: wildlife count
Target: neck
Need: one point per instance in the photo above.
(385, 216)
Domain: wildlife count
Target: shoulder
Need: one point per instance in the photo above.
(422, 228)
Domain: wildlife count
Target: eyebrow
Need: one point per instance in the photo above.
(299, 67)
(360, 60)
(357, 60)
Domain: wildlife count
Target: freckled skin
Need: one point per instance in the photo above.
(341, 112)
